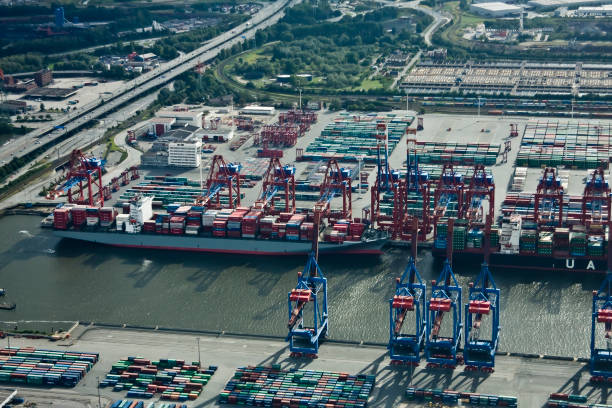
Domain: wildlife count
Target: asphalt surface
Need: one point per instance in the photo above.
(529, 379)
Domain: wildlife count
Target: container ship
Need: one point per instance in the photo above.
(547, 231)
(232, 231)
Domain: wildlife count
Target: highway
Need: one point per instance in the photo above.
(136, 87)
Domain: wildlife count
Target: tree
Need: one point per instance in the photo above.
(42, 107)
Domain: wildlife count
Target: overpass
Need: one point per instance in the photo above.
(142, 84)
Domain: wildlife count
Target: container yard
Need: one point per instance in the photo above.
(514, 78)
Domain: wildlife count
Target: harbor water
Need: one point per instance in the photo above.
(63, 280)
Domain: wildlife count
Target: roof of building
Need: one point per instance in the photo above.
(559, 3)
(163, 120)
(51, 92)
(496, 6)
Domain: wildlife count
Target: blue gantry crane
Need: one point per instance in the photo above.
(441, 351)
(410, 291)
(483, 300)
(311, 291)
(601, 357)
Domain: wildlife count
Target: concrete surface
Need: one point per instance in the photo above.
(530, 379)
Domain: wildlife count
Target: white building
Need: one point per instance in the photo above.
(185, 154)
(495, 9)
(553, 4)
(257, 110)
(603, 11)
(183, 117)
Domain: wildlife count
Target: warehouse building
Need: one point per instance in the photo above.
(257, 110)
(603, 11)
(183, 117)
(553, 4)
(495, 9)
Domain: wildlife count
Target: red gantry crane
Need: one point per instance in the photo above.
(83, 183)
(223, 179)
(278, 185)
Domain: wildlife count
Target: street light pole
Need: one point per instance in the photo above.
(99, 400)
(199, 357)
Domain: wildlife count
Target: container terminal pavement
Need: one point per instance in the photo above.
(529, 378)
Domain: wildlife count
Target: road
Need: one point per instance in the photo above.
(84, 138)
(90, 49)
(144, 83)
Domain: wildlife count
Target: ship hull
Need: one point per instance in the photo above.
(223, 245)
(535, 262)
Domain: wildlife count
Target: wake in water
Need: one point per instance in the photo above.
(49, 251)
(26, 233)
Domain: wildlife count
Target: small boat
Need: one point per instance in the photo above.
(2, 292)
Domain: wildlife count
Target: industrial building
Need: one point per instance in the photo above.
(183, 117)
(43, 77)
(179, 147)
(553, 4)
(257, 110)
(495, 9)
(603, 11)
(50, 93)
(13, 107)
(185, 154)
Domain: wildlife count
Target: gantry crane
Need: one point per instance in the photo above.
(223, 178)
(601, 354)
(596, 205)
(337, 182)
(409, 299)
(480, 191)
(387, 182)
(548, 207)
(441, 350)
(84, 173)
(311, 291)
(278, 182)
(414, 187)
(483, 300)
(448, 190)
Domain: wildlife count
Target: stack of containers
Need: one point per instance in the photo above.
(140, 404)
(174, 379)
(356, 231)
(284, 217)
(561, 239)
(307, 231)
(92, 216)
(220, 223)
(234, 223)
(250, 224)
(441, 235)
(44, 367)
(61, 218)
(279, 230)
(339, 232)
(293, 227)
(545, 243)
(107, 216)
(208, 218)
(177, 224)
(596, 245)
(266, 226)
(494, 236)
(528, 241)
(271, 386)
(474, 238)
(578, 243)
(149, 226)
(79, 216)
(193, 221)
(459, 237)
